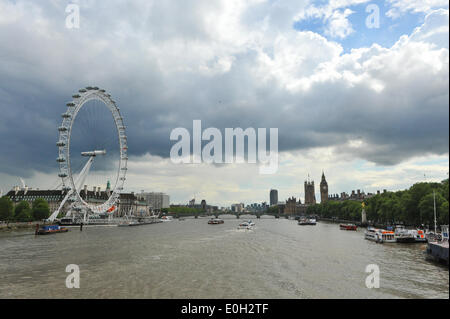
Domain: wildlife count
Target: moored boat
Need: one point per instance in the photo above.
(166, 218)
(420, 236)
(50, 229)
(403, 235)
(379, 235)
(348, 226)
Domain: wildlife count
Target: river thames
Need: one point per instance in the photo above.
(191, 259)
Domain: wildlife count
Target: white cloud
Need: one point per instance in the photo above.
(170, 62)
(334, 16)
(434, 30)
(400, 7)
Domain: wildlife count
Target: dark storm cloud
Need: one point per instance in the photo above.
(140, 56)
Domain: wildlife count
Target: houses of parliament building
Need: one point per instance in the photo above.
(293, 207)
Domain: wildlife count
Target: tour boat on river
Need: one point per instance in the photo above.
(403, 235)
(307, 221)
(348, 226)
(420, 236)
(215, 221)
(380, 235)
(246, 225)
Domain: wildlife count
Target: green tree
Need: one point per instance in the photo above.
(40, 209)
(6, 209)
(22, 212)
(272, 210)
(444, 189)
(443, 213)
(426, 207)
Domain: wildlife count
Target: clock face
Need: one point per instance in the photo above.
(324, 188)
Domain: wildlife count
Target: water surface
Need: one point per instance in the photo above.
(191, 259)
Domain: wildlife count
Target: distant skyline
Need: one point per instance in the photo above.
(368, 105)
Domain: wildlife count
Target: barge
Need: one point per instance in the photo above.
(50, 229)
(438, 250)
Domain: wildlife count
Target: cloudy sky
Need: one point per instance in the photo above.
(368, 105)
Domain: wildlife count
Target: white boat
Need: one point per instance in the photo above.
(419, 236)
(246, 225)
(306, 221)
(379, 235)
(403, 235)
(370, 234)
(166, 218)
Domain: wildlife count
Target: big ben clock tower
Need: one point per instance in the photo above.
(323, 189)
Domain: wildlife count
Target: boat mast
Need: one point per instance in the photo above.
(434, 203)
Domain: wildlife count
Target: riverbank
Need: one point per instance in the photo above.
(359, 224)
(4, 227)
(342, 221)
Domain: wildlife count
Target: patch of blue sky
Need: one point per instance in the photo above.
(438, 161)
(388, 33)
(365, 166)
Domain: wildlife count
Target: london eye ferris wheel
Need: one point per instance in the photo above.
(93, 140)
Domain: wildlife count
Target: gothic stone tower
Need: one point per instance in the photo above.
(323, 189)
(310, 197)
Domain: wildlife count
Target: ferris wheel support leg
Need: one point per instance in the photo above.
(80, 180)
(56, 212)
(84, 172)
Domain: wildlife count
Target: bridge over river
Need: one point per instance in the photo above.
(236, 215)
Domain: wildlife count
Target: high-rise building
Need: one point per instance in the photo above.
(156, 200)
(323, 189)
(203, 205)
(237, 208)
(273, 197)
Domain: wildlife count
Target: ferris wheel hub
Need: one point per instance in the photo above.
(93, 153)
